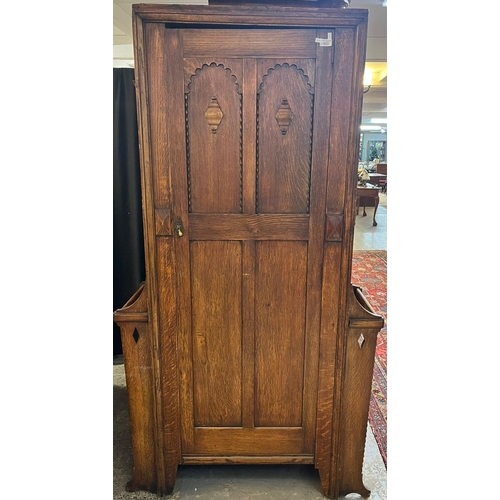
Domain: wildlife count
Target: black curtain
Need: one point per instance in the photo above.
(128, 246)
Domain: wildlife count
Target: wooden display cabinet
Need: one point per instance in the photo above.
(247, 343)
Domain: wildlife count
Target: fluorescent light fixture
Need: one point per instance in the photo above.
(378, 120)
(373, 128)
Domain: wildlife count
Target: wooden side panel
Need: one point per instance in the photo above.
(136, 341)
(284, 130)
(360, 356)
(214, 140)
(216, 277)
(280, 298)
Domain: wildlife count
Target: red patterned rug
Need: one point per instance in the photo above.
(369, 271)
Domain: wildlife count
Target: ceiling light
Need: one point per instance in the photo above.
(373, 128)
(367, 79)
(378, 120)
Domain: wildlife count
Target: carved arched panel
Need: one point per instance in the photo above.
(284, 134)
(214, 141)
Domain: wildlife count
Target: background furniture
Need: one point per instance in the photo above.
(376, 178)
(382, 169)
(363, 194)
(247, 342)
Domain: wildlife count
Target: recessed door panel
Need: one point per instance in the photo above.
(285, 117)
(214, 140)
(280, 291)
(216, 332)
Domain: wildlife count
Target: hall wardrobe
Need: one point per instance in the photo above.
(247, 342)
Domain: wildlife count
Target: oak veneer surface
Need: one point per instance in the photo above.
(248, 132)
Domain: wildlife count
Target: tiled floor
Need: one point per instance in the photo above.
(366, 235)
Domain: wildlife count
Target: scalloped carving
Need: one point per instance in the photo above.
(213, 65)
(310, 88)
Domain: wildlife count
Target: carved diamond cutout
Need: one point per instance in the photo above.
(136, 335)
(284, 116)
(214, 115)
(361, 341)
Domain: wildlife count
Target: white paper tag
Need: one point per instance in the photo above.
(324, 42)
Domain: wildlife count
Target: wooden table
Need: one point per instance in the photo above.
(368, 191)
(376, 177)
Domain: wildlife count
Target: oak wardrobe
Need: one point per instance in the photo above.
(247, 342)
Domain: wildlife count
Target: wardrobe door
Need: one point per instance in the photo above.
(246, 173)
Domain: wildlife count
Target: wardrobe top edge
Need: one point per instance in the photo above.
(264, 14)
